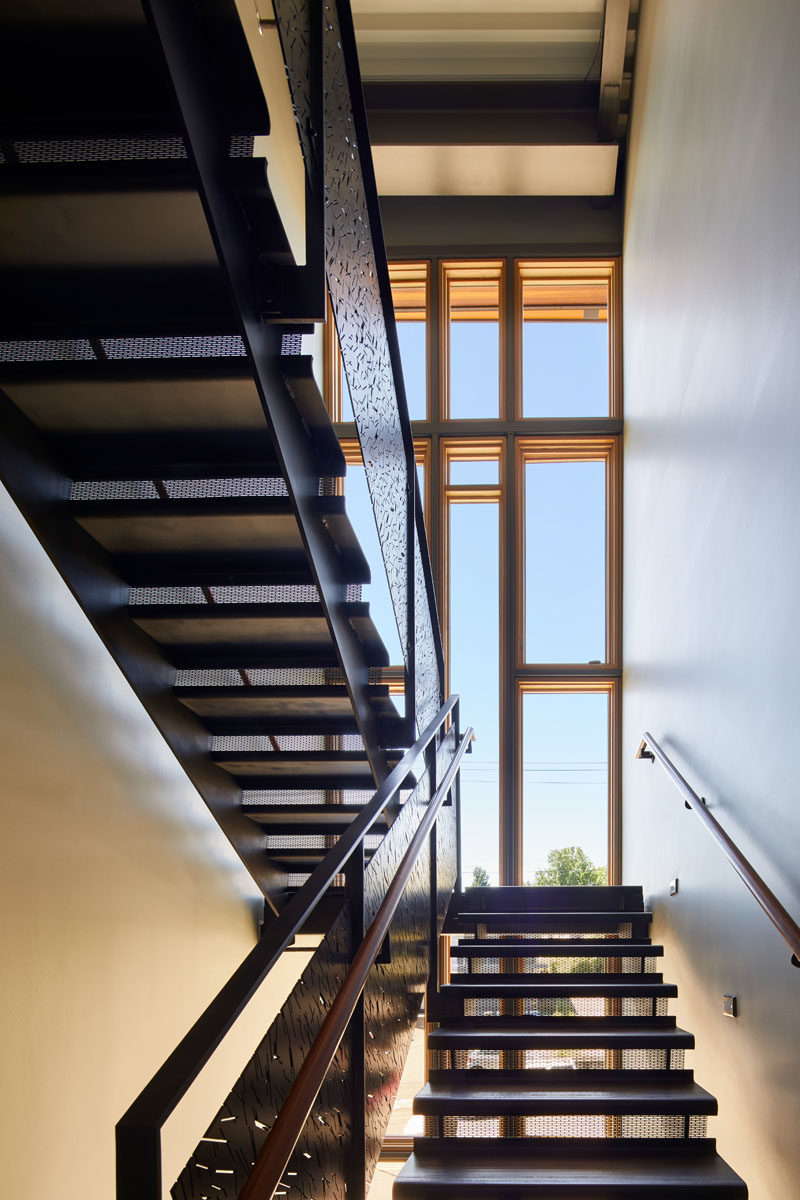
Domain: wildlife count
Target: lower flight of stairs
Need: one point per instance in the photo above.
(555, 1069)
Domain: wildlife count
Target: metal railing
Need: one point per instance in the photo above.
(139, 1130)
(785, 924)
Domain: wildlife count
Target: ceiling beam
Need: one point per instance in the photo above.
(615, 37)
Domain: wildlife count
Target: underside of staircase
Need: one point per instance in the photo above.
(555, 1070)
(183, 473)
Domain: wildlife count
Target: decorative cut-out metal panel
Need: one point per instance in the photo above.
(394, 990)
(354, 282)
(316, 1171)
(294, 27)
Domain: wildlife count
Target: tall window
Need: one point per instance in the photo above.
(512, 377)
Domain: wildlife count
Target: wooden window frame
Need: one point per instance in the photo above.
(574, 449)
(608, 270)
(447, 267)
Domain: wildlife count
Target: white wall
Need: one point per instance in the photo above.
(712, 532)
(123, 907)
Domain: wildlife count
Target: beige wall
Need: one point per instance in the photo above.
(712, 529)
(123, 907)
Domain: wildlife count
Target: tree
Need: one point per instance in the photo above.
(571, 866)
(480, 877)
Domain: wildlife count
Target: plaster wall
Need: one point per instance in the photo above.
(711, 564)
(124, 908)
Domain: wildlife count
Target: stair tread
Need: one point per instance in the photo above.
(625, 897)
(287, 818)
(561, 1096)
(554, 949)
(582, 985)
(559, 1032)
(487, 918)
(557, 1172)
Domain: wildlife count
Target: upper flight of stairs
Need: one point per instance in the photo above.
(136, 442)
(555, 1069)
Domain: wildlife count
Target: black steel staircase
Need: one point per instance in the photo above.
(184, 476)
(556, 1069)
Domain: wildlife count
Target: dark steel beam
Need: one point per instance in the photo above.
(186, 52)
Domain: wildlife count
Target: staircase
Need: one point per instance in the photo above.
(555, 1070)
(176, 460)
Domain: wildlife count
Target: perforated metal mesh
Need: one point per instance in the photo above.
(300, 593)
(304, 841)
(645, 1006)
(166, 595)
(652, 1126)
(545, 935)
(118, 149)
(574, 1125)
(571, 1125)
(476, 1127)
(190, 489)
(220, 678)
(124, 489)
(46, 350)
(292, 343)
(213, 346)
(262, 677)
(248, 744)
(241, 145)
(302, 798)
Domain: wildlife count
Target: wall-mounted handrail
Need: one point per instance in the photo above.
(785, 924)
(139, 1130)
(277, 1149)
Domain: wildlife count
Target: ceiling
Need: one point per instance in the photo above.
(527, 98)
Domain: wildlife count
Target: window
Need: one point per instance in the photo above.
(512, 372)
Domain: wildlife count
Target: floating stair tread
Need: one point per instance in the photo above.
(147, 397)
(318, 818)
(213, 524)
(626, 897)
(278, 763)
(550, 1078)
(582, 985)
(298, 859)
(554, 949)
(559, 1174)
(165, 454)
(199, 568)
(475, 1096)
(227, 626)
(517, 922)
(559, 1032)
(314, 699)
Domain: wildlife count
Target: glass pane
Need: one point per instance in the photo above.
(473, 302)
(565, 369)
(413, 347)
(359, 511)
(564, 785)
(565, 562)
(410, 300)
(565, 348)
(347, 403)
(474, 471)
(474, 676)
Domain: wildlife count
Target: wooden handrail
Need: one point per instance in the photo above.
(785, 924)
(277, 1149)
